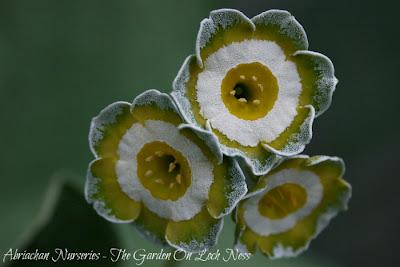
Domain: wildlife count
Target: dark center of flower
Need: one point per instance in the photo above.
(242, 91)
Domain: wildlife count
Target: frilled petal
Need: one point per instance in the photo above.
(318, 78)
(228, 189)
(294, 139)
(104, 193)
(199, 233)
(151, 226)
(107, 128)
(154, 105)
(223, 27)
(183, 92)
(281, 27)
(228, 185)
(292, 205)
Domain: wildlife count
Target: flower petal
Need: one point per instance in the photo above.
(228, 185)
(259, 159)
(327, 194)
(154, 105)
(108, 127)
(294, 139)
(205, 140)
(318, 78)
(228, 188)
(282, 27)
(199, 233)
(104, 193)
(151, 226)
(183, 97)
(223, 27)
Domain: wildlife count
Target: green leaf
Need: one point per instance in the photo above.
(66, 221)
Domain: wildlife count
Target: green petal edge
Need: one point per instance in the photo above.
(220, 20)
(155, 98)
(233, 183)
(297, 141)
(102, 123)
(101, 177)
(228, 190)
(283, 26)
(207, 137)
(179, 89)
(194, 235)
(318, 76)
(258, 167)
(151, 226)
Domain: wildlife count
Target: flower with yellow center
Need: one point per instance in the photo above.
(254, 84)
(291, 205)
(168, 178)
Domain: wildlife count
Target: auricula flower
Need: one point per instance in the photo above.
(291, 205)
(254, 84)
(168, 178)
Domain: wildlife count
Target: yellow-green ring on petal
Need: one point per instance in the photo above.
(108, 127)
(224, 25)
(228, 189)
(151, 226)
(103, 191)
(283, 28)
(199, 233)
(318, 78)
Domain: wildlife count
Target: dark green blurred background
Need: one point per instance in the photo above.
(61, 62)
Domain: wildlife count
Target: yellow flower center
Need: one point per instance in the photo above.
(249, 91)
(282, 200)
(163, 170)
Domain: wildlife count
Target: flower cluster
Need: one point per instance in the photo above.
(225, 140)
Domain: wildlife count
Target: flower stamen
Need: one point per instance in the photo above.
(179, 178)
(159, 153)
(171, 166)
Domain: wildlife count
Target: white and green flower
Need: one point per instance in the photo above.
(291, 205)
(254, 84)
(167, 177)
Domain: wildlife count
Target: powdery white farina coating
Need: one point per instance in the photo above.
(247, 132)
(265, 226)
(196, 194)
